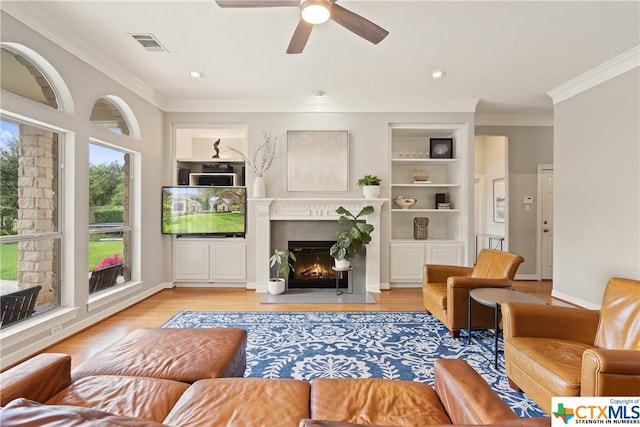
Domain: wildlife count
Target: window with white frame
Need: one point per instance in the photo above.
(30, 193)
(110, 172)
(30, 236)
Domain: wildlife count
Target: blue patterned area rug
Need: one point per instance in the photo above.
(394, 345)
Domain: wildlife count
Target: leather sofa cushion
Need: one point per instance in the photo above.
(146, 398)
(179, 354)
(27, 413)
(553, 362)
(437, 294)
(376, 401)
(255, 402)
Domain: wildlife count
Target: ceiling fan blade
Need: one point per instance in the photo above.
(300, 37)
(257, 3)
(357, 24)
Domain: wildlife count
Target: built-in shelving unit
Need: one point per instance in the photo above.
(409, 147)
(203, 156)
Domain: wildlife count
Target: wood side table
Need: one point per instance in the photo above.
(495, 297)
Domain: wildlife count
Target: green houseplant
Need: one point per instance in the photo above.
(280, 259)
(370, 186)
(353, 238)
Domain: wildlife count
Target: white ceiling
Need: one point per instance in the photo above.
(503, 55)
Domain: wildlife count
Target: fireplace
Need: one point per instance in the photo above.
(312, 267)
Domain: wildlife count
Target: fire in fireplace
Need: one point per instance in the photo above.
(312, 268)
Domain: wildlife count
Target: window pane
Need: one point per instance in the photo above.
(29, 205)
(109, 231)
(25, 265)
(106, 114)
(108, 260)
(29, 174)
(20, 76)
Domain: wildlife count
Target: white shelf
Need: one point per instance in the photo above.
(421, 160)
(425, 241)
(425, 210)
(205, 160)
(432, 185)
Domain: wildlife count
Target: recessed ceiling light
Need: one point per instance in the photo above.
(196, 74)
(437, 74)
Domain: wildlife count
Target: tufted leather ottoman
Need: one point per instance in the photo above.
(178, 354)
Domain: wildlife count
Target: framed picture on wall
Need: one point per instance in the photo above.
(499, 200)
(318, 161)
(441, 148)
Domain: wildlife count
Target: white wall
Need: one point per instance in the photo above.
(597, 189)
(87, 85)
(529, 146)
(368, 153)
(491, 165)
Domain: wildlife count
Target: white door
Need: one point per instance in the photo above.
(547, 224)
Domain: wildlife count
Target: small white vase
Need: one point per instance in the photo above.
(342, 264)
(276, 286)
(370, 191)
(259, 189)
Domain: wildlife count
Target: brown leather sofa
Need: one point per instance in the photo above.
(564, 351)
(40, 392)
(445, 289)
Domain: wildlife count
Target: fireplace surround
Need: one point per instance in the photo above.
(266, 210)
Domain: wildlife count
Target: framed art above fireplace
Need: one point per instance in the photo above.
(317, 161)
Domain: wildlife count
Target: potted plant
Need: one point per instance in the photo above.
(280, 258)
(370, 186)
(350, 240)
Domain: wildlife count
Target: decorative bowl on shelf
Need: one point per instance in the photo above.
(404, 202)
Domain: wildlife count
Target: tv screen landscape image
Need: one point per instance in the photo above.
(204, 211)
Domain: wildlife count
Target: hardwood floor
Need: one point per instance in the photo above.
(157, 309)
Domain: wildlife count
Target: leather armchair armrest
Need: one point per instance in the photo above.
(436, 273)
(549, 321)
(36, 379)
(466, 396)
(476, 282)
(610, 372)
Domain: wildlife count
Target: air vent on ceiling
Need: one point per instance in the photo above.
(149, 42)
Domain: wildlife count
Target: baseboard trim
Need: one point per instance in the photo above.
(526, 277)
(573, 300)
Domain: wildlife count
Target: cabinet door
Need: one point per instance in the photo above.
(228, 262)
(444, 253)
(407, 260)
(190, 260)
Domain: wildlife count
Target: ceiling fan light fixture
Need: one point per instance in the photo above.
(315, 11)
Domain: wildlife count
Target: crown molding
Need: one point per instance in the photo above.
(513, 120)
(323, 105)
(598, 75)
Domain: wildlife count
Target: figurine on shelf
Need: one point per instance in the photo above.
(215, 147)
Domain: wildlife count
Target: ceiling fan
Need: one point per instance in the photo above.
(316, 12)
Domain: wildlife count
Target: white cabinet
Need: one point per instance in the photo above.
(448, 235)
(408, 258)
(207, 260)
(228, 262)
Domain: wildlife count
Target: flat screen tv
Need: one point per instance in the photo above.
(211, 211)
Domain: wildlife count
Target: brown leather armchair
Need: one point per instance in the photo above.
(565, 351)
(445, 289)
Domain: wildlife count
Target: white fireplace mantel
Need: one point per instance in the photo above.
(293, 209)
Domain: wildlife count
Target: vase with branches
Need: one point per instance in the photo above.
(260, 161)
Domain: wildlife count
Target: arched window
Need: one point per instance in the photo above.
(22, 77)
(107, 114)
